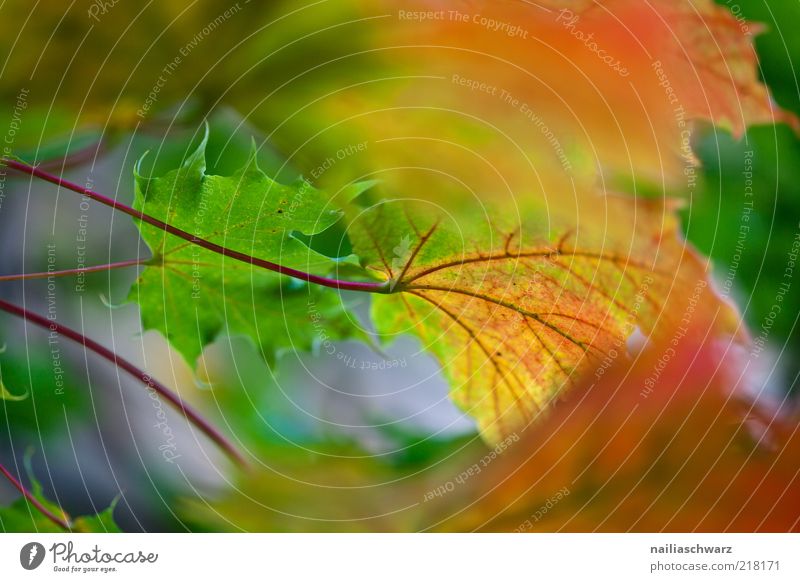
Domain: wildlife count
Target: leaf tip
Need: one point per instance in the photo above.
(197, 159)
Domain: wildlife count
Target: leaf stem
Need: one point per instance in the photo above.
(77, 271)
(367, 287)
(188, 412)
(61, 522)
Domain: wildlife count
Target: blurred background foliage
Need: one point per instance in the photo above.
(759, 258)
(84, 85)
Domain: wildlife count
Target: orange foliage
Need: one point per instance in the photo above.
(667, 444)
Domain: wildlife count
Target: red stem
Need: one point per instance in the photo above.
(77, 271)
(188, 412)
(245, 258)
(35, 502)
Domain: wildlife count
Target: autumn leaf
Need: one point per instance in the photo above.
(695, 56)
(191, 295)
(517, 92)
(491, 99)
(671, 442)
(517, 312)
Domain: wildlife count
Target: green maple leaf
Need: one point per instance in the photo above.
(22, 516)
(192, 295)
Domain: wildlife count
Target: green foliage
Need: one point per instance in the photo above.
(191, 295)
(778, 51)
(307, 475)
(42, 395)
(746, 218)
(5, 393)
(22, 516)
(102, 69)
(513, 310)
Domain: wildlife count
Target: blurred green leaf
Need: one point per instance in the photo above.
(22, 516)
(5, 394)
(777, 45)
(51, 393)
(746, 217)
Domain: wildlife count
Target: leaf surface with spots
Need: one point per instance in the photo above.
(516, 311)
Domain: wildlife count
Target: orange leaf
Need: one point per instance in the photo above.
(500, 98)
(667, 444)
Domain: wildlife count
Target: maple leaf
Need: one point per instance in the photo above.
(579, 112)
(671, 442)
(22, 516)
(702, 54)
(192, 295)
(495, 98)
(516, 313)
